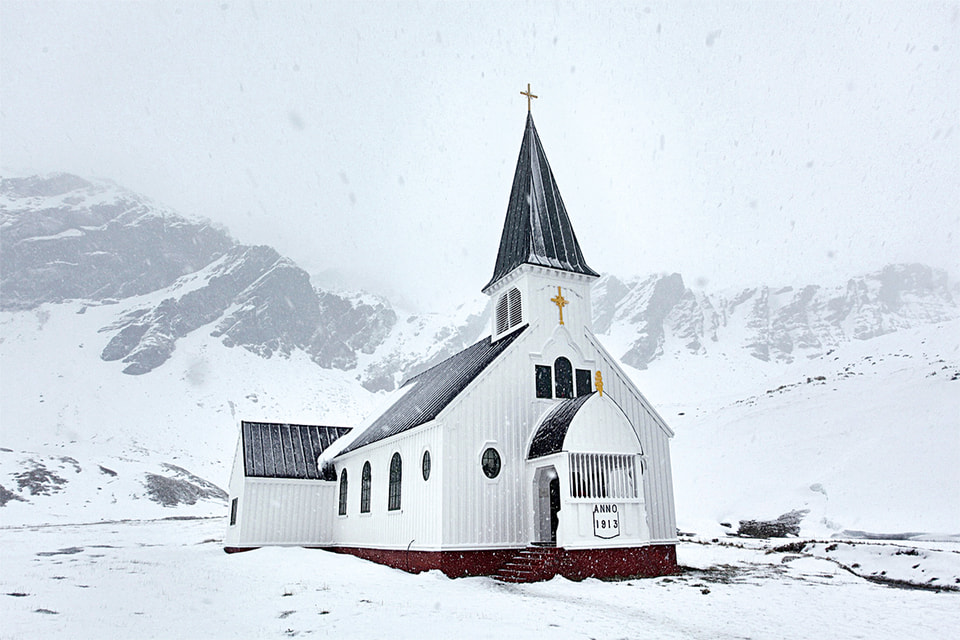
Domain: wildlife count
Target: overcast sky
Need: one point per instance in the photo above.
(734, 143)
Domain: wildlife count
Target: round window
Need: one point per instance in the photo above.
(426, 465)
(491, 463)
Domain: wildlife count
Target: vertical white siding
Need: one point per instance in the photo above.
(275, 511)
(658, 479)
(494, 412)
(417, 523)
(232, 536)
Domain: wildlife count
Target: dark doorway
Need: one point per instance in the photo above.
(554, 508)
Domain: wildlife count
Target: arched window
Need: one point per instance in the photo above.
(563, 377)
(343, 492)
(509, 312)
(393, 504)
(365, 489)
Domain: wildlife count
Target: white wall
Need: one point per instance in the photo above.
(600, 426)
(419, 517)
(657, 477)
(280, 511)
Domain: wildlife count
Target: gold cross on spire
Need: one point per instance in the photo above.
(530, 97)
(561, 302)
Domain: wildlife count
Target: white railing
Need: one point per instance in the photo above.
(603, 475)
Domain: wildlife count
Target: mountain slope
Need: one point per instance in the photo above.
(771, 324)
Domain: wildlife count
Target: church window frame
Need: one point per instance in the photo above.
(583, 382)
(425, 464)
(342, 509)
(491, 463)
(509, 310)
(234, 507)
(365, 482)
(544, 381)
(396, 478)
(563, 378)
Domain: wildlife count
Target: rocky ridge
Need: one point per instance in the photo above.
(66, 238)
(773, 324)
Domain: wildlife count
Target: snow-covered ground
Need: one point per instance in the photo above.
(170, 579)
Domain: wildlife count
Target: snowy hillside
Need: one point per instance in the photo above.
(866, 438)
(61, 400)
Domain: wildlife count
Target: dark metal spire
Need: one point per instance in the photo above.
(537, 229)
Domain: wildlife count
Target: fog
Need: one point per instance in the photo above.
(374, 143)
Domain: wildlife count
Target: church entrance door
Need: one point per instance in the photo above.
(547, 501)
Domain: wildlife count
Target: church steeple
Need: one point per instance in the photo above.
(537, 229)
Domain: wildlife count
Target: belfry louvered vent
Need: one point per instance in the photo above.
(502, 314)
(509, 311)
(516, 313)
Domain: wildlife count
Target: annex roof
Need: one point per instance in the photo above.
(552, 430)
(537, 229)
(433, 390)
(274, 450)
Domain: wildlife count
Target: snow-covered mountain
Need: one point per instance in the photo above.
(66, 238)
(660, 314)
(132, 340)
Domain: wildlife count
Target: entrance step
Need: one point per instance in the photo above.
(531, 564)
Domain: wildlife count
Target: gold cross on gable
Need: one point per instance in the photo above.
(530, 97)
(561, 302)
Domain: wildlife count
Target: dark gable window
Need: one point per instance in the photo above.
(343, 492)
(584, 385)
(490, 463)
(393, 504)
(563, 376)
(365, 489)
(544, 382)
(425, 466)
(233, 511)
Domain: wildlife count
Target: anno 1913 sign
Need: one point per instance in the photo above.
(606, 521)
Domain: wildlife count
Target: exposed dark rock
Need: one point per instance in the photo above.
(781, 323)
(650, 309)
(39, 480)
(6, 496)
(181, 487)
(99, 242)
(66, 551)
(786, 525)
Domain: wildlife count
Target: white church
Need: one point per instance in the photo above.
(527, 455)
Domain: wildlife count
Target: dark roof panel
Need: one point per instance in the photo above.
(552, 430)
(537, 229)
(273, 450)
(433, 390)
